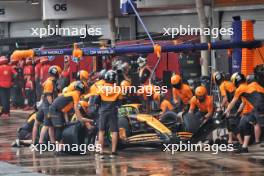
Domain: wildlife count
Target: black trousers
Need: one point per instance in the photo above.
(5, 99)
(17, 97)
(38, 90)
(30, 95)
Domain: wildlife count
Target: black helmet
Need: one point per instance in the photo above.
(218, 77)
(54, 71)
(80, 86)
(238, 78)
(250, 78)
(227, 76)
(259, 74)
(102, 74)
(110, 76)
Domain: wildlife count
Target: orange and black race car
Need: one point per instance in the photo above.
(139, 129)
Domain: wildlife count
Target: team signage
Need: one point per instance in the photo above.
(94, 51)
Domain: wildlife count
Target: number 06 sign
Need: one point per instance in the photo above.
(60, 7)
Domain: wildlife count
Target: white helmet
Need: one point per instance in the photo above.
(142, 61)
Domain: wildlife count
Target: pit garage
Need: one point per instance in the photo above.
(131, 87)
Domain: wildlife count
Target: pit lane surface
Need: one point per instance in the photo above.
(134, 161)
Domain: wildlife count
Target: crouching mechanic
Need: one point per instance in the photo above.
(58, 111)
(127, 94)
(164, 104)
(88, 120)
(49, 94)
(96, 86)
(247, 117)
(83, 107)
(82, 75)
(227, 92)
(107, 98)
(182, 93)
(203, 102)
(256, 90)
(255, 95)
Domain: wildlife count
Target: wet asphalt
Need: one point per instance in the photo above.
(132, 161)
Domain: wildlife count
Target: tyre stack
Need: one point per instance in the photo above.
(247, 66)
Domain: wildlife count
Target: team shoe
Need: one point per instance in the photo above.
(113, 155)
(5, 116)
(237, 145)
(16, 143)
(102, 155)
(256, 143)
(242, 150)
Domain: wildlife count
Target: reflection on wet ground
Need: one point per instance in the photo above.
(134, 161)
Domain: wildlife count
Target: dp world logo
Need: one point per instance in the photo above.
(51, 58)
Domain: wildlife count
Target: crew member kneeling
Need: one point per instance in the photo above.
(227, 92)
(203, 102)
(182, 93)
(164, 104)
(58, 110)
(82, 75)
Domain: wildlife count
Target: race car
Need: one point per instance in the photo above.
(139, 129)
